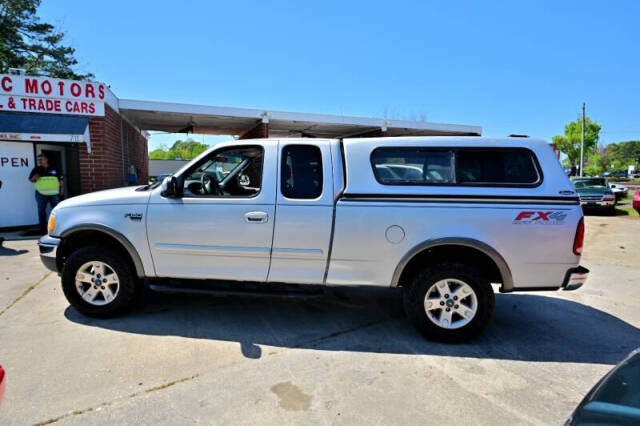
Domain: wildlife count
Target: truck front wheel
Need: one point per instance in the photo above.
(98, 282)
(450, 302)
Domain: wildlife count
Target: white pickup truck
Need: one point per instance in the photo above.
(441, 217)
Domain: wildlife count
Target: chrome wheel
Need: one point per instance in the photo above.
(97, 283)
(450, 303)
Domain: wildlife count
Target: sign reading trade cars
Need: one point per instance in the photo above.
(51, 95)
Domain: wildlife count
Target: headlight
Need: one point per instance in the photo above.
(52, 223)
(609, 198)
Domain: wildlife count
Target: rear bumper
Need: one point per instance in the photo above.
(575, 278)
(48, 251)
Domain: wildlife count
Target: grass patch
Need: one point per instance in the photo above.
(624, 208)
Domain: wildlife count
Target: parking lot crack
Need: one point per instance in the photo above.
(341, 332)
(24, 293)
(106, 404)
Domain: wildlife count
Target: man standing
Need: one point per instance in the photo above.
(49, 189)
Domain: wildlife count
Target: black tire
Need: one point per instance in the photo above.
(414, 301)
(611, 211)
(127, 281)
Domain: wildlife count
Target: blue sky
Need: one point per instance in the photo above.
(511, 67)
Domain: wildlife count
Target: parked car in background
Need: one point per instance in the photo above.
(619, 190)
(636, 201)
(615, 399)
(616, 173)
(2, 383)
(595, 194)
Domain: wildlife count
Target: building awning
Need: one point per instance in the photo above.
(44, 128)
(185, 118)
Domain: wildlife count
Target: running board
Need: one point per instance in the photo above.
(227, 288)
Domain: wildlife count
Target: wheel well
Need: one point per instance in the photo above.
(84, 238)
(451, 252)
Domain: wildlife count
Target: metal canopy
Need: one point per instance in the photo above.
(175, 117)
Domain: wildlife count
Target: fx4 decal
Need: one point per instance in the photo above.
(537, 217)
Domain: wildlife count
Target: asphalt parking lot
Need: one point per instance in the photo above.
(348, 357)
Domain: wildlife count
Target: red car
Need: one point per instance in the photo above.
(636, 201)
(2, 383)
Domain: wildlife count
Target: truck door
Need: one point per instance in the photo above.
(304, 213)
(222, 226)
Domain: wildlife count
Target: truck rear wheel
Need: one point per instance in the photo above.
(450, 302)
(98, 282)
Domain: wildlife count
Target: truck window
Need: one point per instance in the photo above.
(301, 171)
(496, 166)
(229, 172)
(410, 166)
(456, 166)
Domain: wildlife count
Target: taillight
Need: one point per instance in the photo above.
(579, 240)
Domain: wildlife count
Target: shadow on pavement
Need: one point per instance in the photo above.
(525, 327)
(6, 251)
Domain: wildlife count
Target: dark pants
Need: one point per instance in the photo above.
(42, 201)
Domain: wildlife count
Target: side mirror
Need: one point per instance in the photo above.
(170, 187)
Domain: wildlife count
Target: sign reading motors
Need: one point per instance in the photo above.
(51, 95)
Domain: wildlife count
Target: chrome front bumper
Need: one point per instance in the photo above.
(48, 250)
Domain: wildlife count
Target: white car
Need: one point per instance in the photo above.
(300, 214)
(619, 191)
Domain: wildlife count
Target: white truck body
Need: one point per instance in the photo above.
(359, 230)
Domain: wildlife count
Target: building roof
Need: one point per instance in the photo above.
(176, 117)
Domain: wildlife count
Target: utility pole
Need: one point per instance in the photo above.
(582, 143)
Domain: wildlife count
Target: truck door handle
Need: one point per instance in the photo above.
(256, 217)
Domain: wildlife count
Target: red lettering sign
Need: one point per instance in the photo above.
(46, 87)
(31, 86)
(76, 90)
(88, 91)
(6, 84)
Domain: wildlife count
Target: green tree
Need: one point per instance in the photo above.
(624, 154)
(28, 43)
(594, 166)
(158, 154)
(569, 143)
(180, 150)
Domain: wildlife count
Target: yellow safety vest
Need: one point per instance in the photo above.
(48, 185)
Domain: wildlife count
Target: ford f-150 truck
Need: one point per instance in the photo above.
(443, 218)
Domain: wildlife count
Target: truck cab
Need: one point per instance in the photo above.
(229, 196)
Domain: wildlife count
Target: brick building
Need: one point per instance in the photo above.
(116, 144)
(80, 129)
